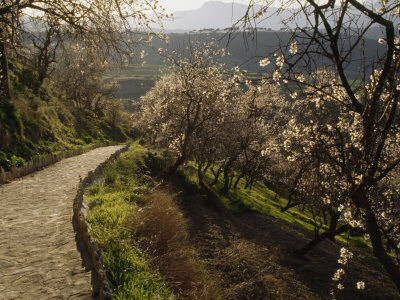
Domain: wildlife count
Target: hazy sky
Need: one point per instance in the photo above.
(174, 5)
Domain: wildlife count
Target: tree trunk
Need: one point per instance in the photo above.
(226, 181)
(238, 180)
(327, 234)
(379, 250)
(249, 183)
(333, 224)
(216, 176)
(5, 91)
(211, 197)
(174, 168)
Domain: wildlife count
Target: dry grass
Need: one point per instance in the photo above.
(162, 231)
(253, 255)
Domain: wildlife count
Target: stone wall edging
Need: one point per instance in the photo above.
(99, 284)
(40, 163)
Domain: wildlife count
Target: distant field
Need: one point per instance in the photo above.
(134, 81)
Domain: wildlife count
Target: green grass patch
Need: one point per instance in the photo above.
(113, 200)
(263, 200)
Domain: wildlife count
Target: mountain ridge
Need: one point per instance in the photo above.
(222, 15)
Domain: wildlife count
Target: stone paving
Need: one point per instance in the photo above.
(38, 252)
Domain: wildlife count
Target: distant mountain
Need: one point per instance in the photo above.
(218, 15)
(221, 15)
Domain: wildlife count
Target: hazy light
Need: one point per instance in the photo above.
(175, 5)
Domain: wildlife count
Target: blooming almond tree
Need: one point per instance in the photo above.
(186, 102)
(348, 121)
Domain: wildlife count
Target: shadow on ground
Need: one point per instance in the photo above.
(252, 256)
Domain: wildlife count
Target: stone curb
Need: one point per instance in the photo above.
(99, 281)
(40, 163)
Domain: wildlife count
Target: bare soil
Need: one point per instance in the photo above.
(252, 257)
(39, 258)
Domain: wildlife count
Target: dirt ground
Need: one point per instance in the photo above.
(252, 257)
(38, 253)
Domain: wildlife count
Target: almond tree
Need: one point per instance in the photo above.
(113, 27)
(348, 122)
(186, 102)
(80, 76)
(248, 129)
(40, 43)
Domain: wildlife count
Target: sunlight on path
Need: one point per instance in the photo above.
(38, 254)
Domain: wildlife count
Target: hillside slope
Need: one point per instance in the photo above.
(198, 249)
(38, 120)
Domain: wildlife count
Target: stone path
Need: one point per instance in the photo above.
(38, 253)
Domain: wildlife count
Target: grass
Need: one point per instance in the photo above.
(263, 200)
(39, 121)
(142, 233)
(129, 270)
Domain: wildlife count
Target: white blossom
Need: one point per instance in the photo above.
(293, 48)
(360, 285)
(280, 61)
(264, 62)
(338, 274)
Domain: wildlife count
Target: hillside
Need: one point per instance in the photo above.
(172, 241)
(39, 120)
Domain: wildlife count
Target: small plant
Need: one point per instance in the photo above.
(17, 161)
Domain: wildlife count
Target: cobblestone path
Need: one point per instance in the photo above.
(38, 253)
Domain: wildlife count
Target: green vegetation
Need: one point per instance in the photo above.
(128, 269)
(259, 198)
(38, 121)
(133, 221)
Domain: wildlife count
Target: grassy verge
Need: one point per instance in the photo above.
(129, 270)
(142, 233)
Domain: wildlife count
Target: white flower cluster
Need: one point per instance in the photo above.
(280, 61)
(360, 285)
(345, 255)
(293, 48)
(264, 62)
(338, 274)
